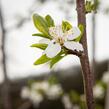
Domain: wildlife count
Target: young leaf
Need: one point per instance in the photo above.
(39, 45)
(40, 24)
(41, 35)
(74, 96)
(66, 26)
(49, 21)
(55, 60)
(88, 6)
(81, 27)
(43, 59)
(53, 80)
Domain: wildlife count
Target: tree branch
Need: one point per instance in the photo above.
(79, 54)
(87, 74)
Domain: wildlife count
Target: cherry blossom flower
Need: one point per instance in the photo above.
(43, 86)
(66, 101)
(36, 97)
(54, 91)
(98, 91)
(62, 39)
(105, 77)
(25, 93)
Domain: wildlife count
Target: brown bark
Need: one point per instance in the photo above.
(87, 74)
(107, 98)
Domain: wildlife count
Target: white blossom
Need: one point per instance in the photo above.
(40, 86)
(60, 39)
(54, 92)
(36, 97)
(67, 102)
(105, 77)
(98, 91)
(25, 93)
(35, 92)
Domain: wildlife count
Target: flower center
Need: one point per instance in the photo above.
(60, 40)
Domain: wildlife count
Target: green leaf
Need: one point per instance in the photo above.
(55, 60)
(40, 45)
(53, 80)
(43, 59)
(41, 24)
(49, 21)
(66, 26)
(81, 27)
(88, 6)
(41, 35)
(74, 96)
(91, 6)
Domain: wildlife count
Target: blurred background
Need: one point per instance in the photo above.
(25, 86)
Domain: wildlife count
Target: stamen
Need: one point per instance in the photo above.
(54, 42)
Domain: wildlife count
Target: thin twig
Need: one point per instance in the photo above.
(79, 54)
(87, 74)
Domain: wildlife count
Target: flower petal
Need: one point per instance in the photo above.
(73, 33)
(44, 41)
(73, 45)
(52, 50)
(56, 31)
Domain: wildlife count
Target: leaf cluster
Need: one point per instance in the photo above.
(91, 7)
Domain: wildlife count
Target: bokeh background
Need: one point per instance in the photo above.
(16, 56)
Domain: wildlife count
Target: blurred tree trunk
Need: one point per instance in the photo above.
(107, 93)
(107, 98)
(5, 87)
